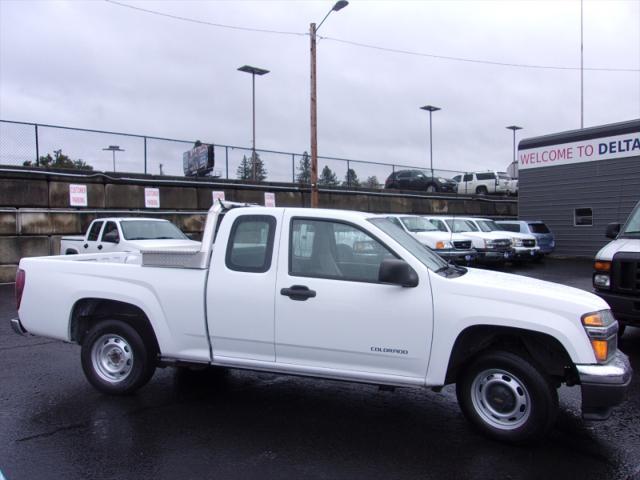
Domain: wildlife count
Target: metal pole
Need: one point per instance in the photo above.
(145, 155)
(581, 68)
(37, 148)
(114, 160)
(514, 146)
(253, 97)
(430, 143)
(226, 161)
(314, 125)
(293, 168)
(348, 174)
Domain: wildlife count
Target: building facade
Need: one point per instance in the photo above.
(579, 181)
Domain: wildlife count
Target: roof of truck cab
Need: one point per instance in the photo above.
(128, 219)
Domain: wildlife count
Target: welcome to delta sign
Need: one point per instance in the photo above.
(605, 148)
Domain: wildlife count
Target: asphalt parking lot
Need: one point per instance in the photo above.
(253, 425)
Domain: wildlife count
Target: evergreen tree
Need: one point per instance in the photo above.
(59, 160)
(328, 178)
(372, 182)
(245, 169)
(304, 169)
(351, 179)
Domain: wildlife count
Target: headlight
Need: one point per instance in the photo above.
(443, 245)
(602, 330)
(517, 242)
(442, 180)
(488, 244)
(602, 280)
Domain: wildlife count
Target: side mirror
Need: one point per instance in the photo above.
(111, 238)
(397, 272)
(613, 229)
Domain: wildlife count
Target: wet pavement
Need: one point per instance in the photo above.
(217, 424)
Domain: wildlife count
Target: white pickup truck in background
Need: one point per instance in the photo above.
(125, 235)
(333, 294)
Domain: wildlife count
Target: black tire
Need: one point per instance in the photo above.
(526, 396)
(481, 190)
(116, 359)
(71, 252)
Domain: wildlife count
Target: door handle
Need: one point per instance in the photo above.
(86, 245)
(99, 247)
(298, 292)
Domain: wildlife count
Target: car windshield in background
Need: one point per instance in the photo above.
(489, 226)
(504, 176)
(439, 224)
(151, 230)
(538, 228)
(461, 226)
(632, 227)
(418, 224)
(413, 246)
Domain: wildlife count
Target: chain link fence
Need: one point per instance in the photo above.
(39, 145)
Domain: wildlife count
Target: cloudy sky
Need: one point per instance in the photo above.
(100, 65)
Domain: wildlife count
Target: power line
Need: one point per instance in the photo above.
(473, 60)
(370, 46)
(204, 22)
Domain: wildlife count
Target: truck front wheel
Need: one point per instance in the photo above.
(507, 398)
(115, 358)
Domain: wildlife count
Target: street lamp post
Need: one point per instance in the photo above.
(430, 109)
(513, 163)
(339, 5)
(113, 149)
(253, 71)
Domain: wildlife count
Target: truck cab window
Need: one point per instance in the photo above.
(110, 234)
(326, 249)
(250, 246)
(94, 232)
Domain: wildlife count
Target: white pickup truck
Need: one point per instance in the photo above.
(125, 235)
(332, 294)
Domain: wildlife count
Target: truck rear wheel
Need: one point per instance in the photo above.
(115, 358)
(507, 398)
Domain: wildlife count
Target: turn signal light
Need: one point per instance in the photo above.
(600, 349)
(593, 320)
(439, 245)
(602, 266)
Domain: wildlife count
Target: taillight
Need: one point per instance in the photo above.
(20, 279)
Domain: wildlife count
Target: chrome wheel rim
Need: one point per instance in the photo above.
(112, 358)
(501, 399)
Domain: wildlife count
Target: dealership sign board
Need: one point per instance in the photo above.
(151, 198)
(269, 199)
(217, 195)
(198, 161)
(605, 148)
(77, 195)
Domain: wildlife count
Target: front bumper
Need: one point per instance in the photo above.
(457, 255)
(625, 308)
(17, 327)
(526, 253)
(604, 386)
(493, 256)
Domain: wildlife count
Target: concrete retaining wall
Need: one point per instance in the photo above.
(35, 211)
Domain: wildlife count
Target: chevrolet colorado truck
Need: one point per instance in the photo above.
(332, 294)
(616, 276)
(125, 235)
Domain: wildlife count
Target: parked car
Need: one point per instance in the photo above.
(125, 235)
(524, 245)
(617, 270)
(268, 290)
(491, 247)
(419, 180)
(544, 237)
(482, 183)
(512, 183)
(450, 246)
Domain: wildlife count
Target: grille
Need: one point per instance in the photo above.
(501, 244)
(625, 273)
(464, 245)
(529, 243)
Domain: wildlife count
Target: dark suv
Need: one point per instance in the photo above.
(418, 180)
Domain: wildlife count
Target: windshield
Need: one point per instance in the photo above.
(413, 246)
(439, 224)
(489, 226)
(504, 176)
(418, 224)
(461, 226)
(632, 227)
(538, 228)
(150, 230)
